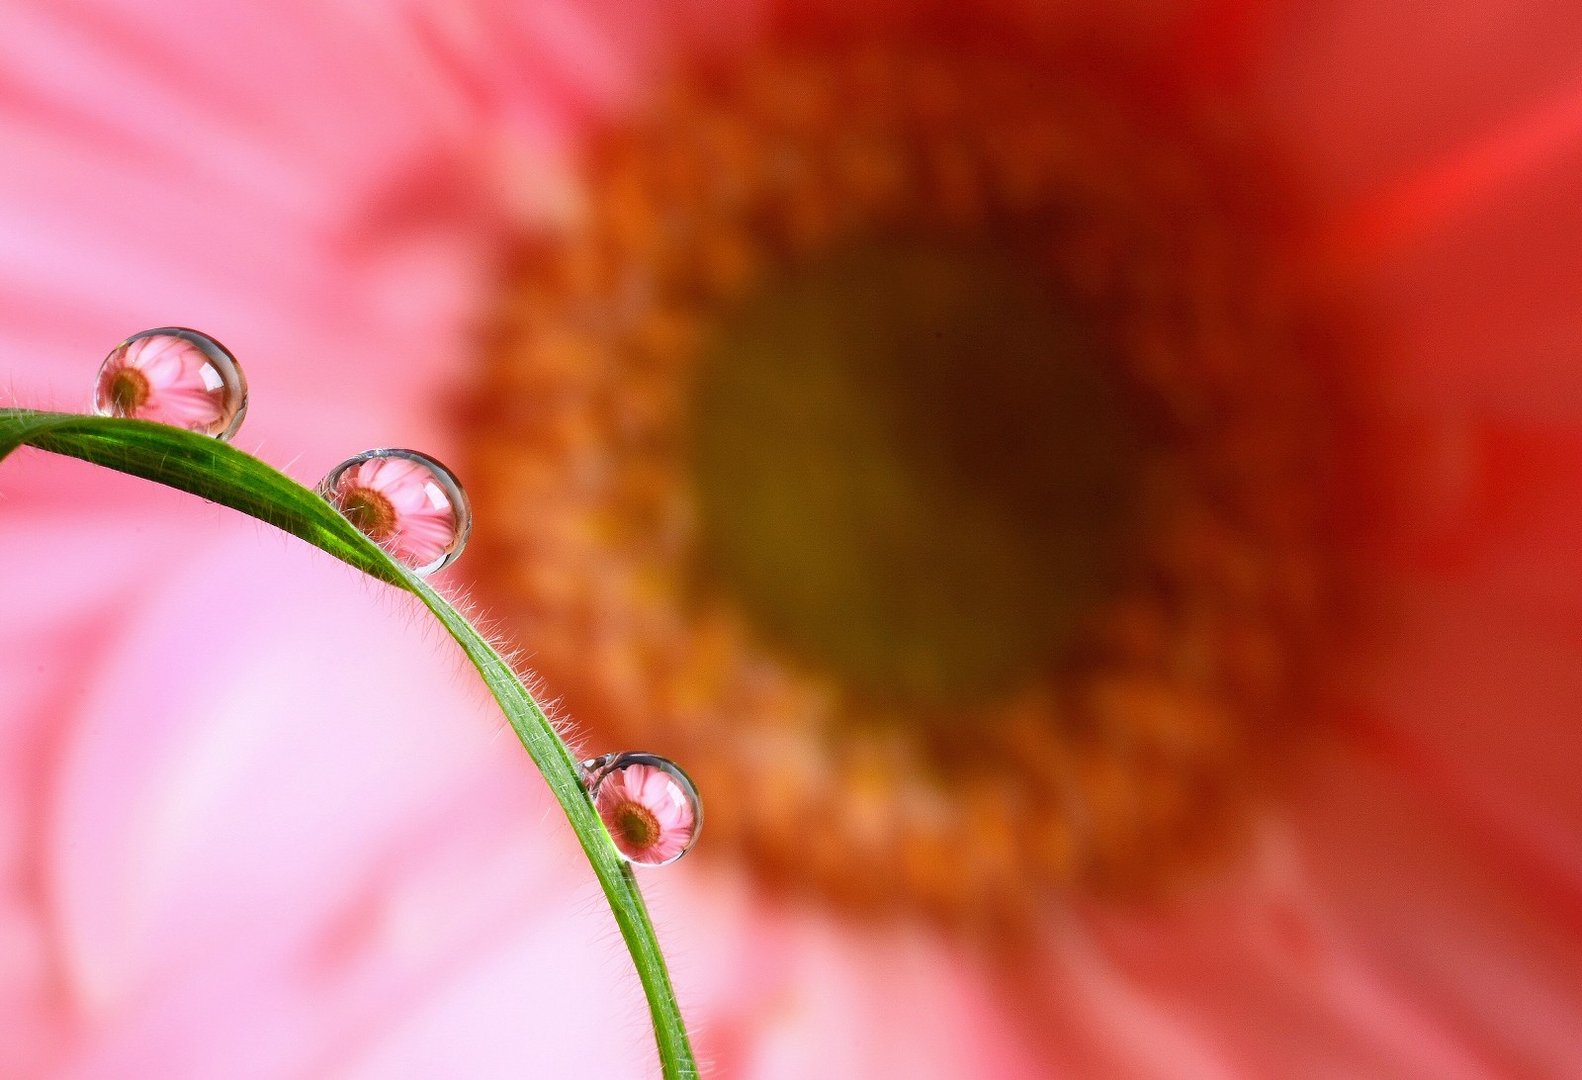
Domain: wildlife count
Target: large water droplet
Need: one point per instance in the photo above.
(404, 501)
(174, 376)
(650, 806)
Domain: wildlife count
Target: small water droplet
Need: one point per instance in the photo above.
(649, 806)
(172, 375)
(404, 501)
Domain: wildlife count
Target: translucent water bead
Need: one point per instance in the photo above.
(650, 806)
(405, 502)
(173, 376)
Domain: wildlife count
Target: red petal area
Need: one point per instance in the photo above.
(1474, 500)
(1477, 699)
(1470, 179)
(1482, 313)
(1371, 93)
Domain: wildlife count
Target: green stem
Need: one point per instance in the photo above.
(222, 474)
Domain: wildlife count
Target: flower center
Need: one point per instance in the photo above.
(930, 453)
(370, 511)
(129, 390)
(634, 825)
(915, 467)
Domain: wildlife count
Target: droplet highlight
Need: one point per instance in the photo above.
(406, 502)
(650, 807)
(176, 376)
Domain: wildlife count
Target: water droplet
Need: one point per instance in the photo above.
(650, 806)
(174, 376)
(404, 501)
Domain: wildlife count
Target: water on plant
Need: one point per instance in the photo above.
(172, 375)
(649, 806)
(406, 502)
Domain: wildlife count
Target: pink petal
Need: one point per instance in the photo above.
(143, 352)
(408, 492)
(1488, 951)
(192, 409)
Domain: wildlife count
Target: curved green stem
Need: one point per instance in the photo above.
(225, 475)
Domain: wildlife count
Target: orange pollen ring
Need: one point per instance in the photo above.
(371, 511)
(129, 389)
(633, 823)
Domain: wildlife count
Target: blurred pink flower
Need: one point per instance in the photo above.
(254, 825)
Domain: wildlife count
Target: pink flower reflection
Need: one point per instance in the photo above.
(168, 378)
(253, 825)
(405, 501)
(649, 814)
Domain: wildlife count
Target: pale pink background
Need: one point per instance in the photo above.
(256, 819)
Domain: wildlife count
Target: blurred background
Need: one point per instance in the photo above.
(1089, 492)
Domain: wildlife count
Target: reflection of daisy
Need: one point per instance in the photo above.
(1407, 905)
(649, 813)
(405, 501)
(168, 376)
